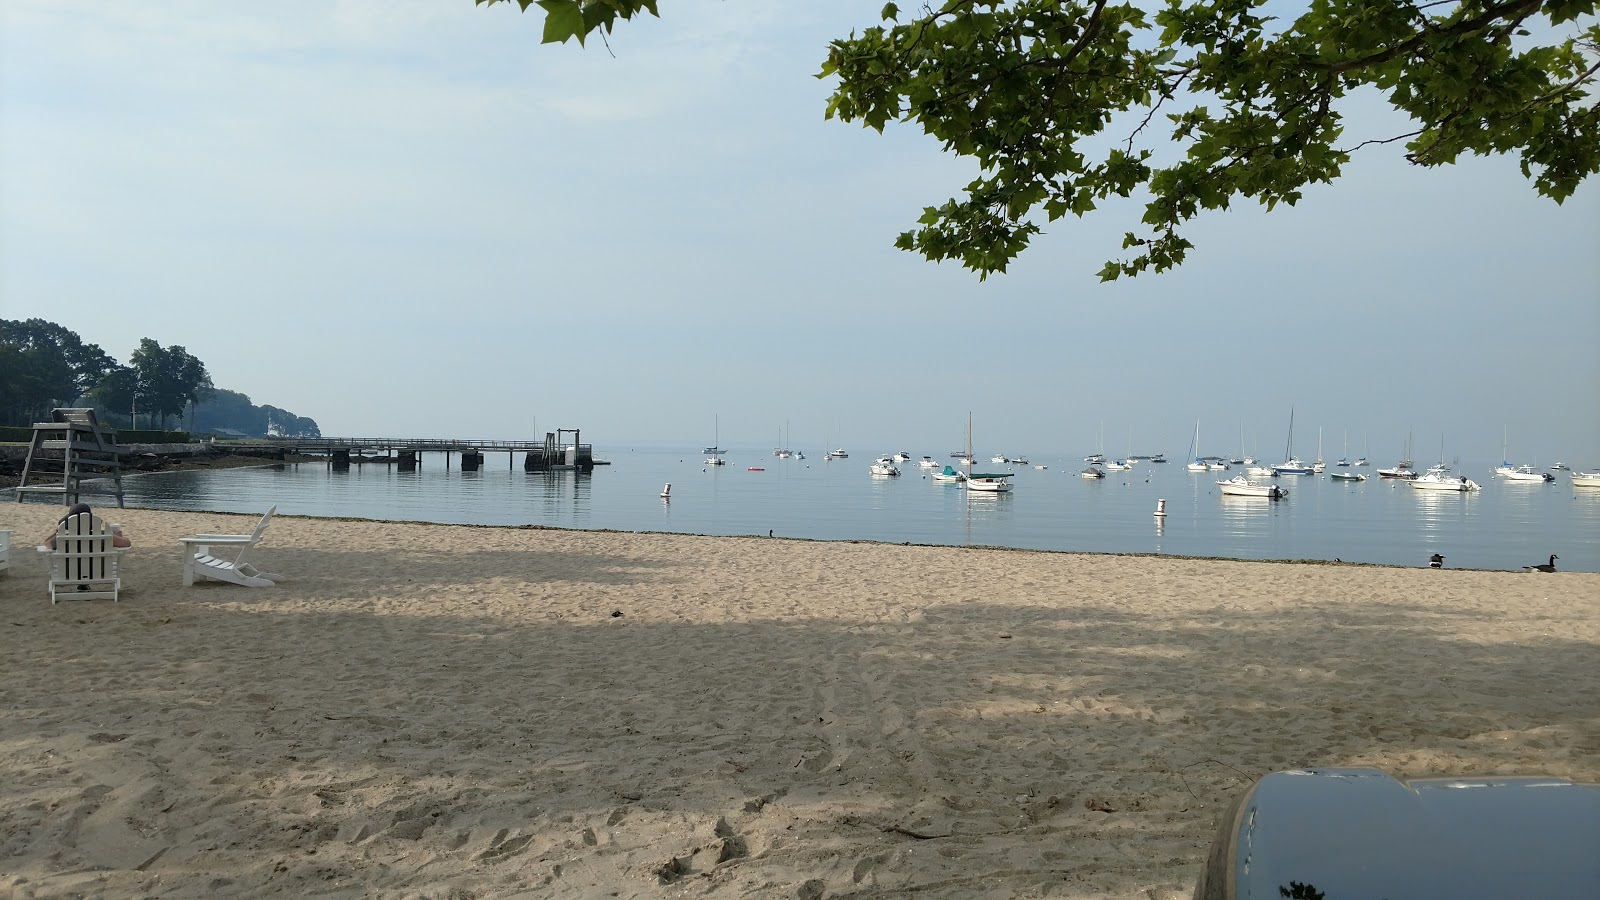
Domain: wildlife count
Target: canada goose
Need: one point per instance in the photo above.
(1436, 561)
(1546, 567)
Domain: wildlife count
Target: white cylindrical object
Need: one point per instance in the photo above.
(1161, 509)
(667, 491)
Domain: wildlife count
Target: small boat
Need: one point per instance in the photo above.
(1158, 458)
(1094, 458)
(1257, 471)
(1586, 479)
(1348, 476)
(1361, 461)
(1019, 460)
(799, 454)
(884, 466)
(1119, 465)
(948, 476)
(1525, 474)
(715, 459)
(1091, 472)
(963, 459)
(989, 482)
(755, 469)
(1240, 486)
(927, 463)
(1560, 467)
(999, 458)
(1440, 478)
(1040, 468)
(837, 454)
(902, 456)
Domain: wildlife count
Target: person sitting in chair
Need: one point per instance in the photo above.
(117, 537)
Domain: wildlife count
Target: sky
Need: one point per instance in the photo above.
(407, 218)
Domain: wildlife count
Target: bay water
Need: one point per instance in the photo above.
(1504, 526)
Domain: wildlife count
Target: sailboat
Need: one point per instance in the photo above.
(1344, 458)
(985, 482)
(1505, 467)
(782, 451)
(1291, 464)
(1099, 455)
(1401, 469)
(714, 452)
(1319, 465)
(1196, 464)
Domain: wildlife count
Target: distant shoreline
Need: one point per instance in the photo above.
(137, 463)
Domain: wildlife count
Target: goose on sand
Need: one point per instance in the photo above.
(1546, 567)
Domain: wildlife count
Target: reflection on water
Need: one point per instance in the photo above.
(1501, 527)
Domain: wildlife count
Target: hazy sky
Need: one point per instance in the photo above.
(409, 218)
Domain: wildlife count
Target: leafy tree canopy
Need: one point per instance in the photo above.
(1191, 105)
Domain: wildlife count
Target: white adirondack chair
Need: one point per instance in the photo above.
(83, 563)
(199, 562)
(5, 549)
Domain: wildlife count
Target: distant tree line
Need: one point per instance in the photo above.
(43, 366)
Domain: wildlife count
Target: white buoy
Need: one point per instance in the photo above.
(1161, 509)
(666, 492)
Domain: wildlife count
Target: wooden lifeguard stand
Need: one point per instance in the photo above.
(72, 447)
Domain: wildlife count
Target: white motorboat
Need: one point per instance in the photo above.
(1348, 476)
(1560, 467)
(999, 459)
(1119, 465)
(1440, 478)
(1258, 471)
(884, 466)
(948, 476)
(1586, 479)
(1019, 461)
(1091, 472)
(927, 463)
(837, 454)
(902, 456)
(714, 457)
(1514, 474)
(1095, 458)
(1361, 461)
(1240, 486)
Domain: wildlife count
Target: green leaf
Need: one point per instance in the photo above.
(563, 19)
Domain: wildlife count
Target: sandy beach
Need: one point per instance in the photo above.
(467, 712)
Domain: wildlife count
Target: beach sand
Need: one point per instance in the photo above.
(442, 711)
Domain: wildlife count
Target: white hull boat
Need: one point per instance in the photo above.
(948, 476)
(1586, 479)
(1348, 476)
(885, 467)
(1440, 478)
(1240, 486)
(927, 463)
(1255, 471)
(990, 483)
(1525, 474)
(1091, 472)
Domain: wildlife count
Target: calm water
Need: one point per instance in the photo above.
(1505, 526)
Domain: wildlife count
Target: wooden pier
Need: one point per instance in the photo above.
(555, 453)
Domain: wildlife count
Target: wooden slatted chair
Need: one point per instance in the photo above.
(199, 562)
(5, 549)
(84, 564)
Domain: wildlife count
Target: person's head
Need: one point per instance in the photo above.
(76, 509)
